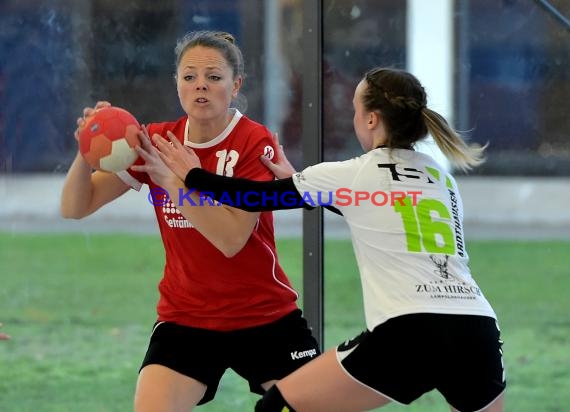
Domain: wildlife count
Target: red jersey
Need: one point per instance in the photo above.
(201, 287)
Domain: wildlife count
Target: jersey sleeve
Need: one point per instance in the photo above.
(132, 178)
(322, 182)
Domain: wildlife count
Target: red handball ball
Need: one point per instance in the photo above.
(108, 139)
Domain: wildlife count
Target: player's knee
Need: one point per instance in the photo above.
(273, 401)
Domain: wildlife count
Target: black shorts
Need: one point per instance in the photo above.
(407, 356)
(258, 354)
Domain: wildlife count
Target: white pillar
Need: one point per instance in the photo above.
(430, 59)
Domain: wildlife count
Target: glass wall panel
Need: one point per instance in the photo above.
(510, 74)
(513, 84)
(358, 35)
(57, 57)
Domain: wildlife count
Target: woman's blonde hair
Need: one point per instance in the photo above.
(223, 42)
(402, 101)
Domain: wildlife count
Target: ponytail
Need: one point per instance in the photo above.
(459, 153)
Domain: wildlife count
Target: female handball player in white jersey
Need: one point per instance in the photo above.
(428, 324)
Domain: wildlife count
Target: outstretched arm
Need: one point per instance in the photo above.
(251, 195)
(246, 194)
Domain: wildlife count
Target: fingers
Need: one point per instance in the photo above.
(162, 144)
(87, 112)
(191, 151)
(165, 158)
(269, 164)
(164, 148)
(173, 139)
(194, 160)
(144, 139)
(142, 153)
(143, 134)
(147, 152)
(171, 148)
(146, 149)
(144, 129)
(80, 125)
(279, 146)
(276, 139)
(282, 169)
(101, 104)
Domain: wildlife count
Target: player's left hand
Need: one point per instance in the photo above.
(283, 168)
(153, 165)
(179, 158)
(87, 113)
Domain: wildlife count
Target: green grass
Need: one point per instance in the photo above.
(80, 308)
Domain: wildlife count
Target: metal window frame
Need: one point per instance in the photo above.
(312, 146)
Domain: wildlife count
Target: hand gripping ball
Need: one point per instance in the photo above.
(108, 138)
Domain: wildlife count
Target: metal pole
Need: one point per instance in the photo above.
(312, 142)
(463, 92)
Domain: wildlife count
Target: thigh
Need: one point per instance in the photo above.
(498, 405)
(395, 359)
(196, 354)
(270, 352)
(160, 389)
(324, 385)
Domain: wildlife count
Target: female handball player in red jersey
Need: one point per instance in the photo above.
(225, 301)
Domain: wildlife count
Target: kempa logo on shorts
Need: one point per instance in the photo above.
(304, 354)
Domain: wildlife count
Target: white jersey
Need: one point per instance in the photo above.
(406, 221)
